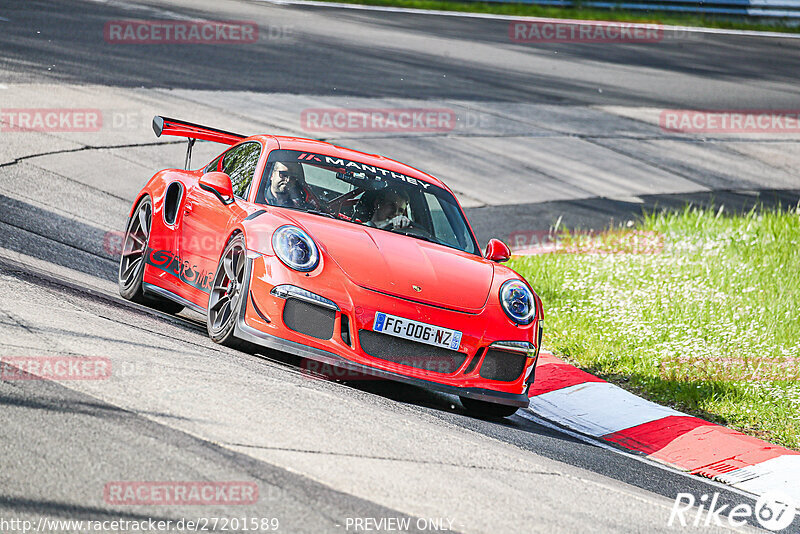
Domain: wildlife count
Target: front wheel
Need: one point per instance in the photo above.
(227, 296)
(487, 409)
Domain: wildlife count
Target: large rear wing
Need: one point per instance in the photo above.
(167, 126)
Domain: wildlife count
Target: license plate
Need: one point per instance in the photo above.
(417, 331)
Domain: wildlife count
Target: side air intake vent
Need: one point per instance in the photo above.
(346, 330)
(171, 202)
(474, 363)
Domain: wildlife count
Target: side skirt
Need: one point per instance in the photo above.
(164, 293)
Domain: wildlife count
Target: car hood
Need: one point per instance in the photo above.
(394, 264)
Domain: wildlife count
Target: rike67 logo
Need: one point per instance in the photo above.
(773, 510)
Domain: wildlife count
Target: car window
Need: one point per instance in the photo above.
(324, 183)
(365, 194)
(443, 228)
(240, 164)
(214, 165)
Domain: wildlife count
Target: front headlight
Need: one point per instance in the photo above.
(295, 248)
(517, 301)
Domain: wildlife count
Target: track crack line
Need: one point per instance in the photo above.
(392, 459)
(83, 149)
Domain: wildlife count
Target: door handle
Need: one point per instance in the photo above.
(187, 208)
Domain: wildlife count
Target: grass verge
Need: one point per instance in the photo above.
(528, 10)
(707, 321)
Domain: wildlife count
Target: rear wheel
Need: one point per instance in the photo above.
(487, 409)
(133, 257)
(226, 298)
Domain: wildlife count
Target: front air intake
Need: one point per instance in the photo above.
(309, 319)
(410, 353)
(502, 366)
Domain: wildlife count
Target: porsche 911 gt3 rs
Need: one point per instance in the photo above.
(342, 257)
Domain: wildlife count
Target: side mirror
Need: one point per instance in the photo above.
(497, 251)
(219, 184)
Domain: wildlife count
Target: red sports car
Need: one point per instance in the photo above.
(338, 256)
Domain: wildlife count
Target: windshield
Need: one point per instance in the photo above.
(363, 194)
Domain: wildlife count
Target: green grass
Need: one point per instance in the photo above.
(666, 18)
(709, 324)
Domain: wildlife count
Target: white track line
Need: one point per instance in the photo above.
(598, 408)
(687, 29)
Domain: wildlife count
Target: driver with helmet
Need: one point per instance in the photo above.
(389, 210)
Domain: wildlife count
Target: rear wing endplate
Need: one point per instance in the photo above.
(167, 126)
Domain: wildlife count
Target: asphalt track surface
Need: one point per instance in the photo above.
(321, 60)
(183, 409)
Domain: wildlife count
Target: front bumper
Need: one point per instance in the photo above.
(260, 322)
(252, 335)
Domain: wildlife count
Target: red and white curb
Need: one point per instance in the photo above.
(584, 403)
